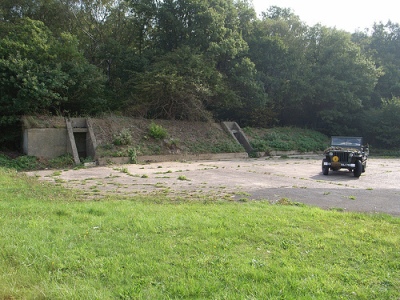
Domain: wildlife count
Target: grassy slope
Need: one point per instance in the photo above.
(177, 137)
(56, 245)
(286, 139)
(181, 137)
(200, 137)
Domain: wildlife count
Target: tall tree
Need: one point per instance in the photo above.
(385, 44)
(31, 77)
(40, 72)
(247, 17)
(277, 47)
(57, 15)
(210, 28)
(381, 125)
(177, 86)
(343, 79)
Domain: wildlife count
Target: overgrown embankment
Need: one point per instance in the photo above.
(127, 137)
(120, 136)
(286, 139)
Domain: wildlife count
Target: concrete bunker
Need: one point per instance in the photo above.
(50, 137)
(70, 135)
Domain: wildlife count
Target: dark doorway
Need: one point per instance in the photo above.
(80, 141)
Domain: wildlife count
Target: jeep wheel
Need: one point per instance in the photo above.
(358, 169)
(364, 167)
(325, 169)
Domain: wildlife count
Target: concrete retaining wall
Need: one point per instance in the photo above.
(53, 142)
(45, 142)
(237, 133)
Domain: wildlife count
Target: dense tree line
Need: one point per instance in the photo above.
(197, 60)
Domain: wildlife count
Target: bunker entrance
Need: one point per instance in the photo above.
(81, 144)
(81, 138)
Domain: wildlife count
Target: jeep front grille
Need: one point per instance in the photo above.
(343, 156)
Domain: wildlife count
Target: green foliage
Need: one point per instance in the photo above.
(30, 73)
(182, 177)
(39, 72)
(61, 162)
(132, 153)
(286, 139)
(20, 163)
(282, 64)
(157, 131)
(192, 60)
(177, 86)
(343, 78)
(381, 125)
(29, 163)
(86, 83)
(226, 147)
(123, 138)
(216, 147)
(383, 43)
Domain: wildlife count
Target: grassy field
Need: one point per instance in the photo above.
(54, 244)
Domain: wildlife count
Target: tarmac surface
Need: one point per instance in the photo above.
(296, 179)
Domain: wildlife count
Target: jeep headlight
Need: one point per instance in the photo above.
(351, 154)
(331, 153)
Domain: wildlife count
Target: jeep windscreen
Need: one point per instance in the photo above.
(346, 141)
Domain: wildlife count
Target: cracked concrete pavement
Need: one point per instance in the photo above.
(298, 179)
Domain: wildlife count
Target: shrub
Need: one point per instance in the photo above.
(157, 131)
(123, 138)
(63, 161)
(226, 147)
(132, 153)
(286, 138)
(20, 163)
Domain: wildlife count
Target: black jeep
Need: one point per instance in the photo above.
(346, 153)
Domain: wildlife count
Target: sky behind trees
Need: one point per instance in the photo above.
(342, 14)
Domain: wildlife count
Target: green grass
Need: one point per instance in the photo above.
(55, 244)
(389, 153)
(24, 162)
(286, 139)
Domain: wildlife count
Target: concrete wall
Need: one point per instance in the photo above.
(237, 133)
(45, 142)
